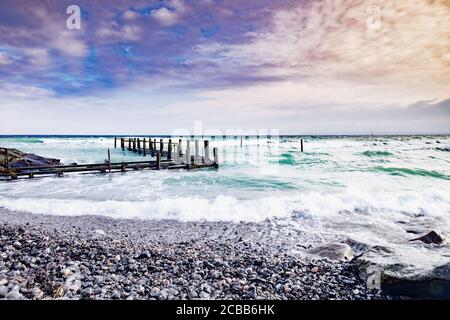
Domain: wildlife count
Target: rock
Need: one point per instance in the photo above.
(58, 292)
(3, 291)
(431, 237)
(20, 159)
(14, 295)
(37, 293)
(315, 269)
(3, 282)
(333, 251)
(204, 295)
(66, 272)
(50, 265)
(433, 284)
(99, 232)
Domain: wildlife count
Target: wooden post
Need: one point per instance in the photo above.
(241, 141)
(122, 144)
(177, 153)
(109, 160)
(179, 149)
(158, 161)
(129, 144)
(134, 145)
(143, 144)
(216, 157)
(301, 144)
(169, 150)
(154, 145)
(206, 143)
(138, 141)
(115, 142)
(150, 146)
(188, 153)
(122, 167)
(161, 146)
(197, 158)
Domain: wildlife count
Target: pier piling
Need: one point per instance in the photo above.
(197, 158)
(206, 143)
(301, 144)
(143, 145)
(169, 150)
(158, 161)
(188, 153)
(109, 160)
(216, 157)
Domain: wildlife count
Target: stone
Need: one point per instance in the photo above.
(3, 291)
(99, 232)
(14, 295)
(431, 237)
(66, 272)
(58, 292)
(333, 251)
(50, 265)
(37, 293)
(204, 295)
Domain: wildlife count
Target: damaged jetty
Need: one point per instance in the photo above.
(163, 154)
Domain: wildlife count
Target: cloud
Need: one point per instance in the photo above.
(330, 39)
(115, 33)
(5, 59)
(165, 16)
(261, 63)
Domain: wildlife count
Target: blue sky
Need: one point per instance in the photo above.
(303, 67)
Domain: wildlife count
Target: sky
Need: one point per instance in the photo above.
(158, 67)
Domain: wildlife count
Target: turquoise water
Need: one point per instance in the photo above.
(355, 187)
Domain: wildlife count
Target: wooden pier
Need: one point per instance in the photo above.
(168, 155)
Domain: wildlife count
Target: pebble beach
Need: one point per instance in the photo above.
(93, 257)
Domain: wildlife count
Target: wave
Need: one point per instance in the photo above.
(376, 154)
(317, 206)
(23, 140)
(413, 172)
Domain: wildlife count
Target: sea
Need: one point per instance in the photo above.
(379, 190)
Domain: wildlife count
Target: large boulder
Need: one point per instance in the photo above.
(397, 275)
(333, 251)
(432, 284)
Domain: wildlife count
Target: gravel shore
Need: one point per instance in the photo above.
(93, 257)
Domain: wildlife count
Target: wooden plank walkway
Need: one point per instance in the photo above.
(175, 158)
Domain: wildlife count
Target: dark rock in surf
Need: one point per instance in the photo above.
(431, 237)
(19, 159)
